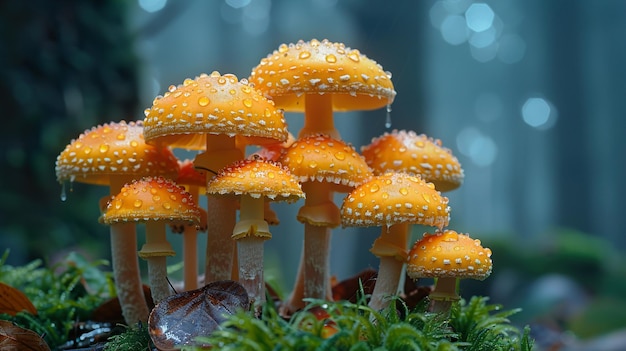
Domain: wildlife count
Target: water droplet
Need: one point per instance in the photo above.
(340, 156)
(63, 194)
(385, 195)
(299, 159)
(354, 56)
(187, 81)
(87, 150)
(404, 191)
(167, 205)
(388, 117)
(247, 102)
(304, 55)
(173, 197)
(171, 88)
(312, 164)
(138, 203)
(134, 143)
(426, 198)
(121, 136)
(153, 191)
(146, 112)
(156, 198)
(271, 175)
(203, 101)
(104, 148)
(283, 48)
(118, 204)
(221, 80)
(330, 58)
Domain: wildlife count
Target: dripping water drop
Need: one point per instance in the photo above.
(63, 193)
(388, 117)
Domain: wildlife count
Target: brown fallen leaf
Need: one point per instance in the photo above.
(180, 318)
(14, 338)
(13, 301)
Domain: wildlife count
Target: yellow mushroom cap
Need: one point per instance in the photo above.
(395, 198)
(113, 149)
(323, 67)
(324, 159)
(256, 178)
(213, 104)
(449, 254)
(151, 199)
(408, 152)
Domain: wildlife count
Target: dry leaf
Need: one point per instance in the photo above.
(17, 338)
(13, 301)
(180, 318)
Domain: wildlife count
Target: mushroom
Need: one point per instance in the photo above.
(194, 181)
(319, 77)
(113, 154)
(254, 181)
(448, 256)
(393, 201)
(323, 165)
(220, 115)
(408, 152)
(154, 201)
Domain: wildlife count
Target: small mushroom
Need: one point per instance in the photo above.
(393, 201)
(194, 181)
(407, 152)
(113, 154)
(253, 181)
(155, 201)
(448, 256)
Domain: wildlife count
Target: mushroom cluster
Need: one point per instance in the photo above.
(395, 182)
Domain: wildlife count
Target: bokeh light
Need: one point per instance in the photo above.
(539, 113)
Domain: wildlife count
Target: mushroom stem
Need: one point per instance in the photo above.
(319, 214)
(221, 151)
(155, 251)
(318, 116)
(444, 295)
(125, 265)
(390, 247)
(250, 233)
(190, 249)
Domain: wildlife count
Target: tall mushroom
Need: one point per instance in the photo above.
(254, 181)
(448, 256)
(319, 77)
(113, 154)
(155, 201)
(220, 115)
(393, 201)
(409, 152)
(322, 165)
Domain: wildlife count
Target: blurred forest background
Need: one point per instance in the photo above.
(528, 94)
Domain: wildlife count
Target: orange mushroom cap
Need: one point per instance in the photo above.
(273, 152)
(408, 152)
(189, 175)
(323, 67)
(324, 159)
(213, 104)
(151, 199)
(256, 178)
(395, 198)
(113, 149)
(449, 254)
